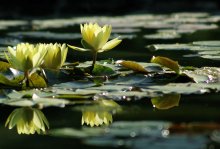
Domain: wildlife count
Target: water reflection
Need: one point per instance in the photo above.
(28, 120)
(99, 113)
(166, 101)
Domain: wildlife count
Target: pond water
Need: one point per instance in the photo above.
(141, 111)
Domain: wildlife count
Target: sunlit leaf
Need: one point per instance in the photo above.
(164, 61)
(133, 66)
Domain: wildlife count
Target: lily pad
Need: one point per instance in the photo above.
(45, 35)
(207, 43)
(164, 35)
(184, 88)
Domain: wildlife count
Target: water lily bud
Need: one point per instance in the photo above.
(56, 55)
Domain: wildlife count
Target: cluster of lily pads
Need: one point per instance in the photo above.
(29, 64)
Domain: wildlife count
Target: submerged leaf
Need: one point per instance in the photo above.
(164, 61)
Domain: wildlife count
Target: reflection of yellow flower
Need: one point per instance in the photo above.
(56, 55)
(28, 120)
(25, 56)
(100, 113)
(96, 118)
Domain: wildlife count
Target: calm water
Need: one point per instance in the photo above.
(193, 124)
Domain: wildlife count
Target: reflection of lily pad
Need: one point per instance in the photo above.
(166, 101)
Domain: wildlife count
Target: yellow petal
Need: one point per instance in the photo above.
(78, 49)
(111, 44)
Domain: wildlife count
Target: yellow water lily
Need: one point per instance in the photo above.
(25, 56)
(56, 55)
(28, 121)
(95, 39)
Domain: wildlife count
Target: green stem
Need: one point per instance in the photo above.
(94, 60)
(26, 74)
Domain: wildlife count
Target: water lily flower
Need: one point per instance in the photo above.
(28, 120)
(95, 39)
(97, 115)
(56, 55)
(25, 57)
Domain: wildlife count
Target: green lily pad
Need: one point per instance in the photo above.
(184, 88)
(46, 35)
(75, 84)
(207, 43)
(177, 47)
(102, 70)
(164, 34)
(43, 102)
(204, 74)
(4, 66)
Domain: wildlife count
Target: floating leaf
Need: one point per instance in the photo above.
(164, 61)
(37, 81)
(213, 43)
(203, 74)
(184, 88)
(45, 35)
(133, 66)
(102, 70)
(4, 66)
(167, 101)
(163, 34)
